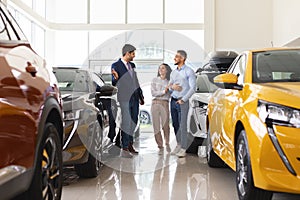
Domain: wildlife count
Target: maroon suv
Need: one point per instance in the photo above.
(31, 128)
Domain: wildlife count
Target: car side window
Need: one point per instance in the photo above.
(239, 69)
(6, 31)
(97, 80)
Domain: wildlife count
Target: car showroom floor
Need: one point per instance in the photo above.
(152, 176)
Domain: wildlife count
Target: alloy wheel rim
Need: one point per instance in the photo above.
(50, 170)
(242, 169)
(144, 118)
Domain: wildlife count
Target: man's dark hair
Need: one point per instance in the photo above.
(182, 53)
(128, 48)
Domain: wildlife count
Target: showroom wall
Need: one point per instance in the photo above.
(286, 21)
(243, 24)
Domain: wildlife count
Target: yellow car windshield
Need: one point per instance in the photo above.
(276, 66)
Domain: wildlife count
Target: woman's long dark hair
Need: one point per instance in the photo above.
(169, 70)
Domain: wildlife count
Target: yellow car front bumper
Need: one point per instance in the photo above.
(277, 165)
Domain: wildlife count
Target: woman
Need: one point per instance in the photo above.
(160, 106)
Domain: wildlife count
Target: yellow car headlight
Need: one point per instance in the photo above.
(278, 114)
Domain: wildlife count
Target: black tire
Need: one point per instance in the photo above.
(193, 144)
(91, 168)
(145, 117)
(213, 160)
(47, 180)
(244, 179)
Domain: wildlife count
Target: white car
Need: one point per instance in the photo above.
(145, 110)
(198, 106)
(196, 124)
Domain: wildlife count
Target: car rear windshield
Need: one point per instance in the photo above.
(276, 66)
(72, 80)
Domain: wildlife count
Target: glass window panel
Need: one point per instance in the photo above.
(71, 48)
(12, 11)
(188, 11)
(149, 43)
(40, 7)
(145, 11)
(10, 31)
(189, 40)
(38, 42)
(4, 33)
(105, 45)
(25, 25)
(112, 11)
(70, 11)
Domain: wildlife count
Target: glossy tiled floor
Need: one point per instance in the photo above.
(153, 176)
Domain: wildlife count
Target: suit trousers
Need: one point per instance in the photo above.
(129, 112)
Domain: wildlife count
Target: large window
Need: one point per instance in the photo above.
(149, 43)
(67, 43)
(40, 7)
(25, 25)
(145, 11)
(68, 11)
(103, 11)
(38, 39)
(188, 11)
(34, 33)
(105, 45)
(71, 48)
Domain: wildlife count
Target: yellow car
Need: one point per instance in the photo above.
(254, 122)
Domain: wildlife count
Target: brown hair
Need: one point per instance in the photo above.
(169, 70)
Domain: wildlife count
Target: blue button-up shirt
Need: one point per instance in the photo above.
(186, 78)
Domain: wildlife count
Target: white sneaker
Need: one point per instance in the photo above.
(161, 151)
(176, 150)
(181, 153)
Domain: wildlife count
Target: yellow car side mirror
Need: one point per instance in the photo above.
(226, 78)
(227, 81)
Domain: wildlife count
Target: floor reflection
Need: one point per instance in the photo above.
(152, 176)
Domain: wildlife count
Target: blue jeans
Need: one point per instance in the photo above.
(129, 112)
(179, 115)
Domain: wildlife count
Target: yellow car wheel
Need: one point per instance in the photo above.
(244, 179)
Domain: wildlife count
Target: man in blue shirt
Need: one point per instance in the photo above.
(182, 85)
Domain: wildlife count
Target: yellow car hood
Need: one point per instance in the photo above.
(287, 93)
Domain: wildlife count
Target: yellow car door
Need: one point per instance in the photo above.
(225, 108)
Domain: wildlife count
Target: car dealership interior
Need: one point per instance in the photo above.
(140, 99)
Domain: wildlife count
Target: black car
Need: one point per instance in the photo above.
(86, 121)
(218, 63)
